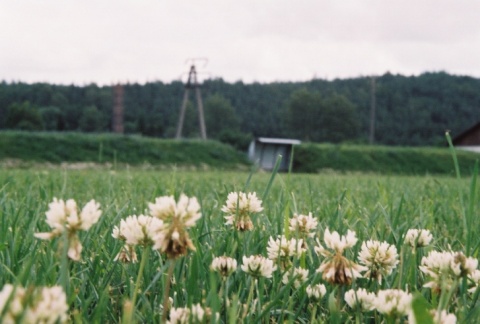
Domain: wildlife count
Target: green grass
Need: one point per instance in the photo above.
(376, 207)
(381, 159)
(121, 149)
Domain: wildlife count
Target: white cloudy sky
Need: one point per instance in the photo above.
(109, 41)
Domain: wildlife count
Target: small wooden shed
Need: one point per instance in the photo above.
(469, 140)
(265, 151)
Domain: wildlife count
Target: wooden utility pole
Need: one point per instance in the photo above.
(371, 138)
(192, 84)
(117, 116)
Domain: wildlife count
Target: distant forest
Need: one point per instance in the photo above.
(409, 110)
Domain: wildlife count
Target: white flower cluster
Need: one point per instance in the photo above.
(444, 267)
(164, 230)
(42, 305)
(418, 237)
(304, 225)
(393, 302)
(186, 210)
(335, 242)
(336, 268)
(64, 217)
(258, 266)
(380, 258)
(195, 314)
(360, 299)
(297, 275)
(224, 265)
(316, 292)
(138, 230)
(283, 249)
(239, 206)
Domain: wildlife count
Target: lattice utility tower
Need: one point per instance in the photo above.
(192, 83)
(117, 116)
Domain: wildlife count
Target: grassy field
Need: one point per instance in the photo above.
(99, 289)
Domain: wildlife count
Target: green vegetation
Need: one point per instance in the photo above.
(98, 288)
(381, 159)
(134, 150)
(109, 148)
(410, 110)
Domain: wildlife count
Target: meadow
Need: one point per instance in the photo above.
(380, 208)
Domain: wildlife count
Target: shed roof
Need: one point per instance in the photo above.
(469, 136)
(287, 141)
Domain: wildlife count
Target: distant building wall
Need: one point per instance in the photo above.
(469, 140)
(265, 152)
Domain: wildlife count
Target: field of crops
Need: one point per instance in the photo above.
(349, 261)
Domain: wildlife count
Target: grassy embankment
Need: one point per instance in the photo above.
(30, 148)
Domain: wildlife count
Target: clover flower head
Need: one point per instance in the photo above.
(258, 266)
(63, 217)
(474, 278)
(239, 206)
(336, 268)
(316, 292)
(173, 238)
(283, 249)
(443, 317)
(335, 242)
(195, 314)
(445, 267)
(360, 299)
(393, 302)
(304, 225)
(138, 230)
(418, 237)
(224, 265)
(186, 210)
(36, 305)
(298, 275)
(380, 258)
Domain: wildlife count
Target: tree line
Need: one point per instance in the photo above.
(409, 110)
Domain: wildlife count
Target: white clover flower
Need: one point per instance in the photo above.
(444, 268)
(304, 225)
(334, 242)
(40, 305)
(336, 268)
(177, 217)
(163, 207)
(316, 292)
(196, 314)
(380, 258)
(282, 250)
(138, 230)
(474, 277)
(63, 217)
(443, 317)
(298, 275)
(224, 265)
(418, 237)
(239, 206)
(90, 215)
(393, 302)
(186, 209)
(258, 266)
(361, 299)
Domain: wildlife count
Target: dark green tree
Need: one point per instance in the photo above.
(91, 119)
(220, 116)
(23, 116)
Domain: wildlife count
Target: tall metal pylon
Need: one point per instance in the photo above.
(192, 83)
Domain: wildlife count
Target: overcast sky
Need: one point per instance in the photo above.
(110, 41)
